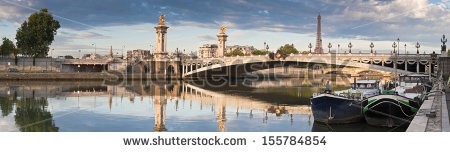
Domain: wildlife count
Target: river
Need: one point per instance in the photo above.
(175, 106)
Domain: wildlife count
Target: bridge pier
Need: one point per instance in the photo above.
(417, 67)
(406, 65)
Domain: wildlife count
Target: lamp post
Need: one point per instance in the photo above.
(123, 49)
(417, 46)
(51, 60)
(395, 63)
(309, 46)
(79, 54)
(350, 47)
(95, 49)
(339, 46)
(371, 47)
(267, 47)
(264, 46)
(398, 42)
(405, 49)
(329, 47)
(394, 46)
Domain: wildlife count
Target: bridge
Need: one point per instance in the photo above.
(239, 65)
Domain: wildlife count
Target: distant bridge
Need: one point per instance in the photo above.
(385, 63)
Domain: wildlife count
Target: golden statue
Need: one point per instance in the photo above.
(161, 19)
(223, 29)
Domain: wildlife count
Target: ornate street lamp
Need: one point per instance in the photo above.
(267, 47)
(405, 49)
(371, 47)
(394, 46)
(95, 49)
(350, 46)
(398, 42)
(417, 46)
(309, 46)
(443, 46)
(329, 47)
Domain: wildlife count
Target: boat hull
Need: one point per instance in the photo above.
(389, 110)
(331, 109)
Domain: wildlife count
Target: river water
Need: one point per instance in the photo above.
(176, 106)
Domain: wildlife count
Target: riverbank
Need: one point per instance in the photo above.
(84, 76)
(433, 114)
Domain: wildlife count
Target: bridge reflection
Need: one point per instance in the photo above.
(223, 105)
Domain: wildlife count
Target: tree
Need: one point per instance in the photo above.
(260, 52)
(68, 57)
(7, 47)
(36, 35)
(236, 52)
(305, 52)
(288, 49)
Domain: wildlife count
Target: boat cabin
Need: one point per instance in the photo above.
(365, 84)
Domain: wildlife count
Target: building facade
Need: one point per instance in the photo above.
(207, 51)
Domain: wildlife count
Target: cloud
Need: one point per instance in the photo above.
(206, 38)
(372, 20)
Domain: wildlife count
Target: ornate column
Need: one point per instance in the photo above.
(417, 67)
(160, 103)
(406, 64)
(222, 40)
(161, 39)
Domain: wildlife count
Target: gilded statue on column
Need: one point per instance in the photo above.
(161, 19)
(223, 29)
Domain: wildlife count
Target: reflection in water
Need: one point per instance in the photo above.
(159, 106)
(32, 116)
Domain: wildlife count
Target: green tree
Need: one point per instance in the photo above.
(288, 49)
(36, 35)
(236, 52)
(6, 106)
(260, 52)
(32, 116)
(7, 47)
(305, 52)
(68, 57)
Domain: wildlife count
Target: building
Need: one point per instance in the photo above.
(138, 54)
(247, 50)
(207, 51)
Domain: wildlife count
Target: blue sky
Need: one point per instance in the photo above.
(130, 24)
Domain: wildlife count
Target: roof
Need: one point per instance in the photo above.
(367, 81)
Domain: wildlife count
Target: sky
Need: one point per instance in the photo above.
(129, 24)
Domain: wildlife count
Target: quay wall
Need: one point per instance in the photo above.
(433, 113)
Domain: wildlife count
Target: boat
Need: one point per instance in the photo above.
(397, 106)
(341, 107)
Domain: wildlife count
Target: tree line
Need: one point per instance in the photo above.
(285, 49)
(33, 37)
